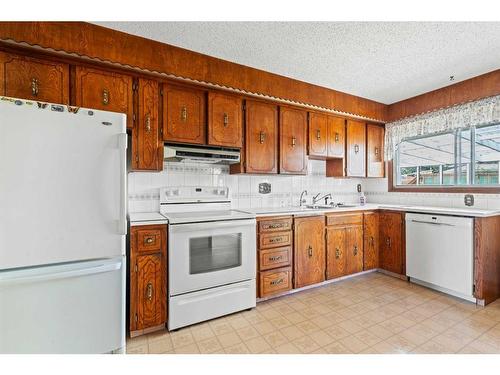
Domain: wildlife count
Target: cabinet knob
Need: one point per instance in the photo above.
(318, 134)
(226, 119)
(148, 123)
(184, 114)
(149, 292)
(34, 87)
(356, 149)
(262, 137)
(337, 137)
(294, 140)
(149, 240)
(105, 97)
(337, 253)
(310, 251)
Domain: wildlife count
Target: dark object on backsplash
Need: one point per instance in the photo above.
(469, 200)
(264, 188)
(359, 188)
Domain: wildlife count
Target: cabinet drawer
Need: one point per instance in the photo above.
(275, 225)
(274, 258)
(148, 240)
(275, 281)
(347, 219)
(268, 240)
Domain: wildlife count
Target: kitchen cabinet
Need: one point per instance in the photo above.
(318, 132)
(392, 241)
(34, 79)
(309, 250)
(225, 120)
(371, 240)
(147, 149)
(336, 137)
(184, 118)
(375, 166)
(261, 137)
(344, 244)
(355, 149)
(148, 278)
(293, 128)
(107, 91)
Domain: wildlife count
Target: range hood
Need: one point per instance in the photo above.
(201, 154)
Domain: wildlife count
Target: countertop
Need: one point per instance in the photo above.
(146, 218)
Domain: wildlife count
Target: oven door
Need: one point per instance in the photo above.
(206, 255)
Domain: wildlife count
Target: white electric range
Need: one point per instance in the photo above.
(212, 254)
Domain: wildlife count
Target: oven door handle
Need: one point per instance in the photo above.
(178, 228)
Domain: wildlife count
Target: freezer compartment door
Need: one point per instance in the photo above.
(70, 308)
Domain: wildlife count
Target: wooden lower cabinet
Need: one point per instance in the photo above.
(371, 240)
(309, 250)
(147, 279)
(391, 247)
(335, 252)
(275, 281)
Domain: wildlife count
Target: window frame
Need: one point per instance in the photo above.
(393, 169)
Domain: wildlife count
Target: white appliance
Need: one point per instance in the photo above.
(212, 254)
(439, 253)
(204, 154)
(62, 229)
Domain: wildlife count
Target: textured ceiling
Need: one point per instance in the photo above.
(383, 61)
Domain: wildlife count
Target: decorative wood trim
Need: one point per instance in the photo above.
(487, 258)
(107, 46)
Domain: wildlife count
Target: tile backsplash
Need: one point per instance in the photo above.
(143, 188)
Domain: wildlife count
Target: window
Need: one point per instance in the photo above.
(463, 157)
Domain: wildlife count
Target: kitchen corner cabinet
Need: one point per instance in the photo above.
(391, 229)
(33, 79)
(355, 149)
(375, 166)
(318, 133)
(103, 90)
(371, 240)
(309, 250)
(148, 278)
(147, 149)
(225, 120)
(184, 118)
(293, 130)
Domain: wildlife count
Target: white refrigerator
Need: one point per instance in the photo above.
(62, 228)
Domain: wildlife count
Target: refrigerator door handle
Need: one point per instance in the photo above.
(13, 278)
(122, 221)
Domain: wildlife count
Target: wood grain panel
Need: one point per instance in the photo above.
(318, 133)
(273, 224)
(335, 252)
(354, 249)
(225, 120)
(309, 251)
(275, 281)
(375, 166)
(344, 219)
(487, 258)
(293, 141)
(149, 291)
(391, 241)
(274, 239)
(355, 149)
(275, 258)
(371, 240)
(336, 137)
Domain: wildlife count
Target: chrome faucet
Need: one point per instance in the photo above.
(302, 200)
(325, 197)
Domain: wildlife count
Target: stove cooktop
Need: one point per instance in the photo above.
(206, 216)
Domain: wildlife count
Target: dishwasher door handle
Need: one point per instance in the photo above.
(431, 223)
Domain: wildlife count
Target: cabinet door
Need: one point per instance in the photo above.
(318, 133)
(225, 120)
(293, 126)
(309, 250)
(354, 249)
(147, 148)
(184, 117)
(356, 166)
(261, 139)
(336, 137)
(335, 252)
(149, 291)
(105, 91)
(34, 79)
(390, 242)
(375, 151)
(371, 241)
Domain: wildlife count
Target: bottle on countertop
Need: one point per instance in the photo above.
(362, 199)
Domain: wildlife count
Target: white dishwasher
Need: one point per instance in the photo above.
(439, 253)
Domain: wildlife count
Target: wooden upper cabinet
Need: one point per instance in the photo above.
(371, 240)
(225, 120)
(336, 137)
(356, 138)
(104, 90)
(375, 151)
(184, 118)
(261, 137)
(34, 79)
(309, 250)
(146, 145)
(293, 129)
(318, 133)
(391, 232)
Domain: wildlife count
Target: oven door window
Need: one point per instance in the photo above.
(214, 253)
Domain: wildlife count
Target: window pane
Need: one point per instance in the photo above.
(487, 155)
(464, 157)
(408, 176)
(429, 175)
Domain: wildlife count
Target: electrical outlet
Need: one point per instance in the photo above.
(469, 200)
(359, 188)
(264, 188)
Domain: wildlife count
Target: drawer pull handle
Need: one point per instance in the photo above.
(105, 97)
(318, 135)
(337, 137)
(372, 241)
(356, 149)
(294, 140)
(277, 282)
(226, 119)
(355, 251)
(310, 251)
(275, 226)
(276, 239)
(337, 253)
(34, 87)
(376, 151)
(262, 137)
(149, 291)
(184, 114)
(148, 123)
(388, 241)
(148, 240)
(275, 258)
